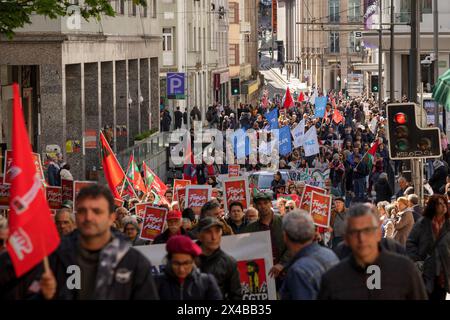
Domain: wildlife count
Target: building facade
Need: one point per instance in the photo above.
(77, 79)
(320, 40)
(195, 42)
(243, 50)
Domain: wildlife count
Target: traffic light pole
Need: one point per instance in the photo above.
(416, 164)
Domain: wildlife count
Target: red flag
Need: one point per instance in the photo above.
(134, 175)
(301, 97)
(114, 174)
(337, 116)
(33, 234)
(288, 101)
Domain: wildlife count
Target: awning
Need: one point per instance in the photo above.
(441, 91)
(370, 67)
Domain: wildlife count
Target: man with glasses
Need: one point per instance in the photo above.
(370, 272)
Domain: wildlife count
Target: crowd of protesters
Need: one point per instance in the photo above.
(373, 222)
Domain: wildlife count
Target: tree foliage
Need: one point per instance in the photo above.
(15, 14)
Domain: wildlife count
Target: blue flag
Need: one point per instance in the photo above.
(241, 145)
(272, 118)
(285, 141)
(321, 105)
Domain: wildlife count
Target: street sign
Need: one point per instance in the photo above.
(358, 34)
(407, 140)
(175, 86)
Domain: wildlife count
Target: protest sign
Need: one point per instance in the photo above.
(310, 142)
(180, 195)
(196, 197)
(54, 197)
(292, 197)
(78, 185)
(233, 170)
(305, 202)
(250, 250)
(321, 105)
(139, 209)
(298, 132)
(118, 202)
(320, 209)
(5, 190)
(311, 176)
(8, 166)
(179, 183)
(153, 222)
(272, 118)
(236, 189)
(67, 190)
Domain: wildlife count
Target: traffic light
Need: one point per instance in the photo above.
(374, 83)
(235, 86)
(406, 139)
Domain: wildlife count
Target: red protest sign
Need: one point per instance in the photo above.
(180, 194)
(78, 185)
(54, 197)
(8, 164)
(139, 209)
(321, 209)
(179, 183)
(233, 170)
(67, 190)
(236, 189)
(251, 289)
(118, 202)
(305, 202)
(196, 197)
(5, 190)
(153, 222)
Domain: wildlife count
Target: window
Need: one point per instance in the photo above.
(354, 11)
(143, 11)
(154, 9)
(426, 6)
(233, 55)
(234, 13)
(333, 10)
(334, 42)
(131, 8)
(120, 6)
(167, 39)
(355, 43)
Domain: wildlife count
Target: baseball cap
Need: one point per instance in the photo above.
(262, 196)
(208, 222)
(67, 204)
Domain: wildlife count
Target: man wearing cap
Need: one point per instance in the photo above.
(268, 221)
(337, 226)
(174, 227)
(212, 208)
(215, 261)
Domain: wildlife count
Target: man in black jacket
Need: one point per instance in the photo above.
(107, 268)
(370, 272)
(216, 262)
(178, 118)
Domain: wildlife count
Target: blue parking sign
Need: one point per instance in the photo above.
(175, 85)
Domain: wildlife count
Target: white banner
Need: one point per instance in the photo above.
(252, 251)
(310, 142)
(298, 132)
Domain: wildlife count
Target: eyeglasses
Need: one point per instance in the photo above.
(366, 231)
(290, 208)
(179, 264)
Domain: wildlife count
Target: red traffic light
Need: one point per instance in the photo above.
(400, 118)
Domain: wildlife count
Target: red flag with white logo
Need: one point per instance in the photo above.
(33, 234)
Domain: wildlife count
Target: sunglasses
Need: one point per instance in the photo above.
(290, 208)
